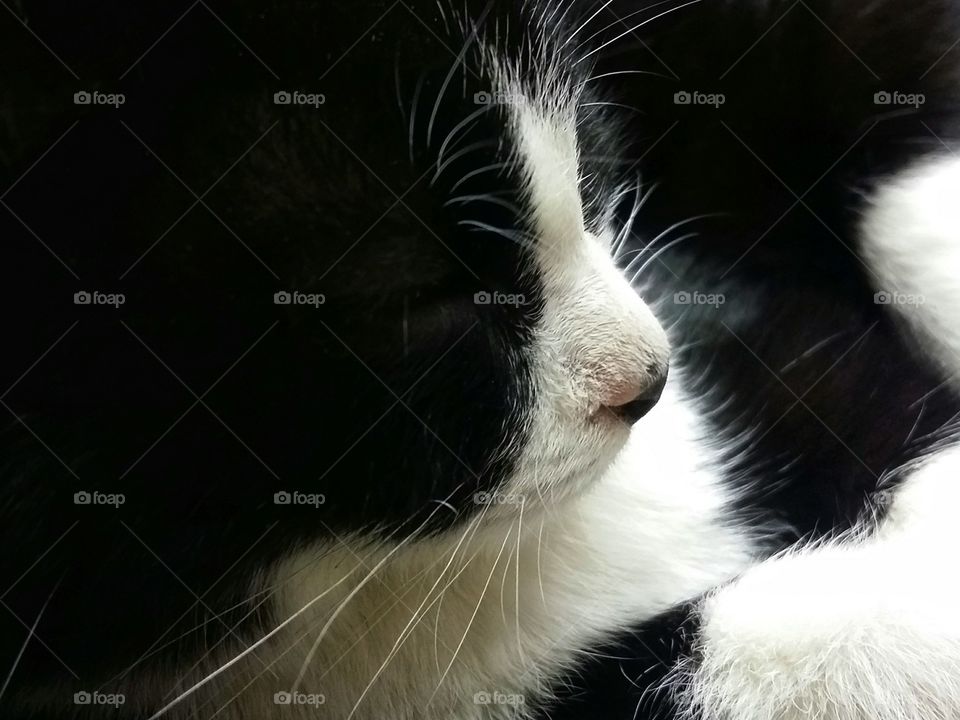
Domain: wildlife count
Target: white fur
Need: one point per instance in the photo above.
(911, 241)
(597, 341)
(862, 628)
(521, 598)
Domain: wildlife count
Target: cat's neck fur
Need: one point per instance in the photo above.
(478, 622)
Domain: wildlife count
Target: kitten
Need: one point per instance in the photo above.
(350, 394)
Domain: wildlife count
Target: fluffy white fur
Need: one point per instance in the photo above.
(860, 628)
(911, 241)
(853, 630)
(478, 623)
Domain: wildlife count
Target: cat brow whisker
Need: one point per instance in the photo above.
(634, 29)
(621, 20)
(459, 154)
(585, 23)
(478, 171)
(660, 252)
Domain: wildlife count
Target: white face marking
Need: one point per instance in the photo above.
(597, 345)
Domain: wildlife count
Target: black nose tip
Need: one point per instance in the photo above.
(632, 411)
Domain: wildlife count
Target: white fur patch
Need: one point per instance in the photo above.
(855, 630)
(477, 623)
(911, 240)
(596, 341)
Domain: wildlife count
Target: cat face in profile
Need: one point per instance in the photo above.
(376, 303)
(496, 264)
(451, 202)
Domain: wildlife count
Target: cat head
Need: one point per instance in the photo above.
(385, 280)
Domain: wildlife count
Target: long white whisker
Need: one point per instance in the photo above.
(517, 580)
(459, 154)
(414, 619)
(624, 72)
(472, 618)
(413, 112)
(585, 23)
(660, 252)
(33, 629)
(621, 20)
(543, 596)
(453, 69)
(357, 589)
(635, 28)
(223, 668)
(478, 171)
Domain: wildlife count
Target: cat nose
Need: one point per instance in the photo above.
(632, 403)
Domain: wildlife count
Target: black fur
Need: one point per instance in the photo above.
(200, 398)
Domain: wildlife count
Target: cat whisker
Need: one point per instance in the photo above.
(418, 614)
(473, 617)
(478, 171)
(621, 20)
(660, 252)
(634, 29)
(585, 23)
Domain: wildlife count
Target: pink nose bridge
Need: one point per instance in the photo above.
(623, 390)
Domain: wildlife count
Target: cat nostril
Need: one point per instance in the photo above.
(631, 411)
